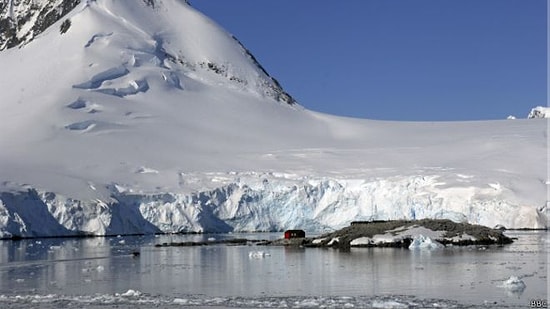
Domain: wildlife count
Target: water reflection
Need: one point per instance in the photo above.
(106, 265)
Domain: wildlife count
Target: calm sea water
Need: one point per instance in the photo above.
(103, 273)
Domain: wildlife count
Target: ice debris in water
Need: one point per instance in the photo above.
(129, 293)
(258, 254)
(514, 284)
(388, 304)
(132, 298)
(424, 242)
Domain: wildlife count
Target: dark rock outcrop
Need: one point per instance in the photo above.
(15, 17)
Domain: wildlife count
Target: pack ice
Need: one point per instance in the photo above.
(147, 117)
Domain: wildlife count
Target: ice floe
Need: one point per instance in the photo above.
(514, 284)
(133, 299)
(258, 254)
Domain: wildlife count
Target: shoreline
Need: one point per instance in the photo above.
(84, 235)
(394, 233)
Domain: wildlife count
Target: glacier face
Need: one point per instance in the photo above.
(261, 202)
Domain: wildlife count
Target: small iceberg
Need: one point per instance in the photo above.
(146, 170)
(424, 242)
(514, 284)
(258, 254)
(129, 293)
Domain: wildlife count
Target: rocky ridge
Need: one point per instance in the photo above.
(22, 20)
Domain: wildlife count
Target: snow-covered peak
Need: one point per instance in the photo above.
(167, 33)
(539, 112)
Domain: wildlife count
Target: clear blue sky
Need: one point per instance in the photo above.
(398, 59)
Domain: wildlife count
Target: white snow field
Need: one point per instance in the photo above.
(148, 119)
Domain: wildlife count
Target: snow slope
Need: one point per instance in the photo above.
(148, 117)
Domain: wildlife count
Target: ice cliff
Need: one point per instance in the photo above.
(259, 202)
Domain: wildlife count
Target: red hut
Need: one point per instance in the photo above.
(295, 234)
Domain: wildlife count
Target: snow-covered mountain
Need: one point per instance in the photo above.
(539, 112)
(146, 116)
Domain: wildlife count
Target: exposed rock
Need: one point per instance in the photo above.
(274, 88)
(398, 233)
(235, 241)
(401, 233)
(21, 21)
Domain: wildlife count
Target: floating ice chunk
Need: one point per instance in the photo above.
(424, 242)
(388, 304)
(258, 254)
(130, 293)
(181, 301)
(92, 186)
(308, 303)
(100, 268)
(495, 186)
(146, 170)
(514, 284)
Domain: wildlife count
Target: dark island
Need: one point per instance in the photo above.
(429, 233)
(412, 234)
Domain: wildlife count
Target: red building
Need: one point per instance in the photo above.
(294, 234)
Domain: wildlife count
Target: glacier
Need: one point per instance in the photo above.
(260, 202)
